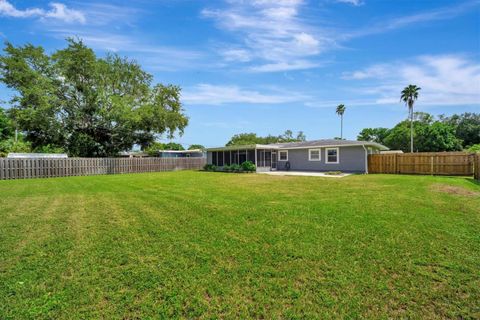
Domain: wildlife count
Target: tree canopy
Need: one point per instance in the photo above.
(430, 135)
(373, 134)
(86, 105)
(6, 127)
(252, 138)
(467, 127)
(196, 147)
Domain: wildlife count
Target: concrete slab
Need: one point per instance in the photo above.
(304, 173)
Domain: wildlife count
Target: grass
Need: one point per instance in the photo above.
(213, 245)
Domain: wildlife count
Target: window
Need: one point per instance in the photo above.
(283, 155)
(331, 155)
(314, 155)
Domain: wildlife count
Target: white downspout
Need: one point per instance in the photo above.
(366, 159)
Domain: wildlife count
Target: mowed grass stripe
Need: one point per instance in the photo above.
(195, 244)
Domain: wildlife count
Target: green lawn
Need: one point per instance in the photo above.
(213, 245)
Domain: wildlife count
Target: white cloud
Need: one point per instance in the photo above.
(443, 13)
(61, 12)
(270, 33)
(352, 2)
(58, 11)
(208, 94)
(8, 9)
(153, 56)
(284, 66)
(237, 55)
(444, 79)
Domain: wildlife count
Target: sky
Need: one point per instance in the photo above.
(266, 66)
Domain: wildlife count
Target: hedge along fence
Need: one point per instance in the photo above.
(47, 168)
(434, 163)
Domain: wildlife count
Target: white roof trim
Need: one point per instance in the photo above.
(245, 147)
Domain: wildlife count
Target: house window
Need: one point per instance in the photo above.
(283, 155)
(314, 155)
(331, 155)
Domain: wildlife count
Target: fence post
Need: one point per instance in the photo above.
(431, 165)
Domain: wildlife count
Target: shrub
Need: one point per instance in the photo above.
(235, 168)
(10, 145)
(210, 167)
(248, 166)
(474, 148)
(49, 149)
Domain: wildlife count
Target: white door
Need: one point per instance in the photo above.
(274, 161)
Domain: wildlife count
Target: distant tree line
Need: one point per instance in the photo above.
(444, 133)
(78, 103)
(253, 138)
(158, 146)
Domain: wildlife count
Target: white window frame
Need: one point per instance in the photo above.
(326, 155)
(280, 155)
(310, 154)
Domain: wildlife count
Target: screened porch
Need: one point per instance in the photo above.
(263, 158)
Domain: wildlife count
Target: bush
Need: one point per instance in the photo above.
(235, 168)
(10, 145)
(49, 149)
(210, 167)
(249, 166)
(474, 148)
(227, 168)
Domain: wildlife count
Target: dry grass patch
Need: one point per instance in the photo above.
(456, 190)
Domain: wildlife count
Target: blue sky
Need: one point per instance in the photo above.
(265, 66)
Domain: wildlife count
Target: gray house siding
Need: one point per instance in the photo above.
(351, 159)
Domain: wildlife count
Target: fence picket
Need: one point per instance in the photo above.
(46, 168)
(432, 163)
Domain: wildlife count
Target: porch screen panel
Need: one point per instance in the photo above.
(260, 158)
(214, 157)
(251, 155)
(227, 160)
(242, 157)
(268, 158)
(220, 159)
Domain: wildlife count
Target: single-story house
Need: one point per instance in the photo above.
(316, 155)
(37, 155)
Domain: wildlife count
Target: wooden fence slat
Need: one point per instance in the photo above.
(431, 163)
(46, 168)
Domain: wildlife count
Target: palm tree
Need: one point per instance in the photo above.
(340, 111)
(409, 95)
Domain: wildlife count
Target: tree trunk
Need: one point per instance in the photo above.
(341, 127)
(411, 129)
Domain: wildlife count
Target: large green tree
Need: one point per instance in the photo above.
(467, 127)
(373, 134)
(86, 105)
(6, 127)
(430, 135)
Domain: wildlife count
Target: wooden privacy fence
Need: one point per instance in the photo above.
(46, 168)
(477, 166)
(434, 163)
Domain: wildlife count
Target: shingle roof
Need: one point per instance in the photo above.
(327, 143)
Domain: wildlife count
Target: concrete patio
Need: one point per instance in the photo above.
(304, 173)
